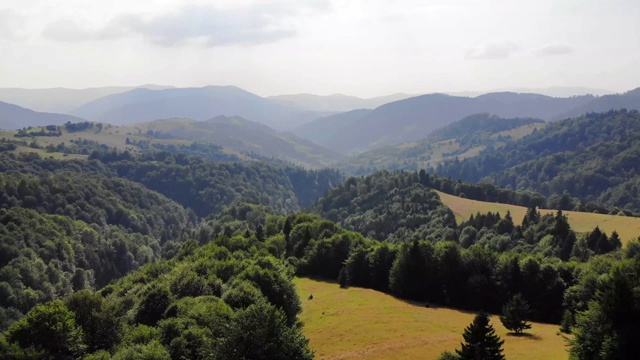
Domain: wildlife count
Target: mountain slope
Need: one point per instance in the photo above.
(627, 100)
(14, 117)
(414, 118)
(595, 157)
(461, 139)
(241, 135)
(327, 130)
(140, 105)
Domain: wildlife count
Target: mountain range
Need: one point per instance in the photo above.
(140, 105)
(414, 118)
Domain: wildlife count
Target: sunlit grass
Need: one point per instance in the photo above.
(358, 323)
(627, 227)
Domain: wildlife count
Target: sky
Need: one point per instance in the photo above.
(356, 47)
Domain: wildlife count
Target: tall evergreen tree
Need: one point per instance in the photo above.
(514, 313)
(481, 341)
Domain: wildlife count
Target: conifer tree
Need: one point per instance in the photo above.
(514, 313)
(481, 341)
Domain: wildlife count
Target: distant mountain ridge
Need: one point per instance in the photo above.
(338, 102)
(13, 117)
(140, 105)
(414, 118)
(62, 100)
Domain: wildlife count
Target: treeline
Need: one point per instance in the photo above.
(594, 158)
(247, 259)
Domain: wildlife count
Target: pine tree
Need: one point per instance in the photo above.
(514, 314)
(481, 341)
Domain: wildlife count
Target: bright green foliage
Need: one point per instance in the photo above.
(515, 313)
(51, 329)
(481, 341)
(261, 332)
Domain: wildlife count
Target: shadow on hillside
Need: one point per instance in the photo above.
(524, 335)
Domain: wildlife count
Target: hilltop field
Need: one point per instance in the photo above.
(627, 227)
(357, 323)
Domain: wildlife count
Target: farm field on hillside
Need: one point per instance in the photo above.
(357, 323)
(627, 227)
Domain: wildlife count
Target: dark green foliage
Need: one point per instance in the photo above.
(481, 341)
(98, 319)
(610, 327)
(388, 206)
(155, 301)
(343, 278)
(567, 322)
(447, 355)
(515, 314)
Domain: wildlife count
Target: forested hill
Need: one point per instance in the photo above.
(66, 225)
(463, 138)
(595, 157)
(388, 206)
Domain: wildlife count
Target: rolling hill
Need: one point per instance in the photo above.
(462, 139)
(140, 105)
(14, 117)
(240, 135)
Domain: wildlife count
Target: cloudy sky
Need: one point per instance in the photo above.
(357, 47)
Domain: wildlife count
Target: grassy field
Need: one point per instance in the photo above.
(358, 323)
(627, 227)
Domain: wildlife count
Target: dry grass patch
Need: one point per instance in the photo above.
(359, 323)
(627, 227)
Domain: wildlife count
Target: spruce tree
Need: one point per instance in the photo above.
(514, 314)
(481, 341)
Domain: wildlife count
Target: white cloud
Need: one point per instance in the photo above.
(197, 24)
(493, 51)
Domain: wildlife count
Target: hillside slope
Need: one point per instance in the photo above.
(461, 139)
(357, 323)
(14, 117)
(593, 157)
(627, 227)
(240, 135)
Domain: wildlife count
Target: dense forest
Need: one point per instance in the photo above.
(162, 255)
(594, 158)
